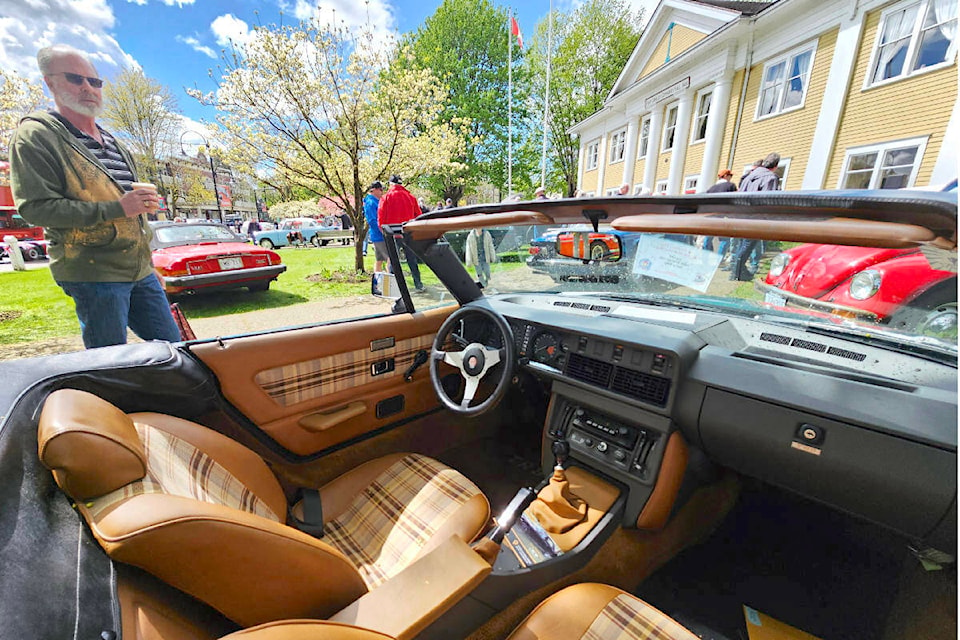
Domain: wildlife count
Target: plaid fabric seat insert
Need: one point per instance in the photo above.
(388, 524)
(627, 618)
(176, 467)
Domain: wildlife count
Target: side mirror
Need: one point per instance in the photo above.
(589, 246)
(384, 285)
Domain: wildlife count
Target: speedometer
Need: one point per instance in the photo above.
(546, 348)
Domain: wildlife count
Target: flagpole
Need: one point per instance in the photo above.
(510, 104)
(546, 101)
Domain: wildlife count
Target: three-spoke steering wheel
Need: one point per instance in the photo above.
(474, 362)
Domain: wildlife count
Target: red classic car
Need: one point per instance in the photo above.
(601, 245)
(193, 258)
(898, 287)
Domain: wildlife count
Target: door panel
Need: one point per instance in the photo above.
(312, 388)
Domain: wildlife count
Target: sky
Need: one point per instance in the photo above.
(177, 42)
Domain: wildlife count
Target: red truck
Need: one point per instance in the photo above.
(30, 238)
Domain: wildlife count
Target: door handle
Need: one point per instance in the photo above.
(324, 420)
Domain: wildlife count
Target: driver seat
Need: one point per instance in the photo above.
(206, 515)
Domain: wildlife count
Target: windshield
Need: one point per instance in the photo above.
(906, 295)
(192, 233)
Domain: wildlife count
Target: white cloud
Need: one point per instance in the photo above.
(229, 28)
(27, 26)
(196, 46)
(379, 14)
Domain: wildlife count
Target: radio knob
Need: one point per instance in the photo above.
(602, 447)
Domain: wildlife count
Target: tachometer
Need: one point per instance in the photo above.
(546, 348)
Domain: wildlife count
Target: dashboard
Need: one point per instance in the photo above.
(869, 431)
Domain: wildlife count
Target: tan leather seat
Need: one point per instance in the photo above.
(595, 611)
(206, 515)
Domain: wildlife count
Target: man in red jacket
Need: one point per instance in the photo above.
(396, 207)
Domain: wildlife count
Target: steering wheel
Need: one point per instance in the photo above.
(474, 362)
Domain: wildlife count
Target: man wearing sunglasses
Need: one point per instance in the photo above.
(72, 177)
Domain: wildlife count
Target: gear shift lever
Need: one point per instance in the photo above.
(561, 451)
(556, 508)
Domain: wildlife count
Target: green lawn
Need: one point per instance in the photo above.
(32, 306)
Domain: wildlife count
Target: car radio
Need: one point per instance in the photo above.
(600, 437)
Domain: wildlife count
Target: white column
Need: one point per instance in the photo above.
(681, 140)
(601, 162)
(580, 162)
(630, 151)
(719, 104)
(834, 98)
(653, 148)
(945, 169)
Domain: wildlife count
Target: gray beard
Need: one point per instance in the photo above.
(79, 107)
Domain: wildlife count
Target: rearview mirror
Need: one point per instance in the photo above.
(384, 285)
(595, 246)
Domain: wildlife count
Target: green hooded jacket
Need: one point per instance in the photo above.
(59, 184)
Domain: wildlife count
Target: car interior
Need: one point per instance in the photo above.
(500, 464)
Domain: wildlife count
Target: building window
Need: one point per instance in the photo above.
(612, 191)
(670, 127)
(892, 165)
(616, 145)
(660, 188)
(704, 99)
(785, 82)
(644, 145)
(913, 37)
(690, 184)
(593, 149)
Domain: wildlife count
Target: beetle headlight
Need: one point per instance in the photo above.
(865, 284)
(779, 264)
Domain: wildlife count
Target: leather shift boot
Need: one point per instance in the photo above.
(556, 508)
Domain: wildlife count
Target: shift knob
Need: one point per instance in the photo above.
(561, 450)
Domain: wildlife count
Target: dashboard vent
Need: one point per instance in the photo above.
(843, 353)
(600, 307)
(773, 337)
(562, 303)
(806, 344)
(641, 386)
(589, 370)
(580, 305)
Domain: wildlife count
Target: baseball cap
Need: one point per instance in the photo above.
(376, 184)
(395, 179)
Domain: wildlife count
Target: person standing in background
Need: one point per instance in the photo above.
(724, 184)
(70, 176)
(479, 253)
(371, 204)
(762, 178)
(397, 206)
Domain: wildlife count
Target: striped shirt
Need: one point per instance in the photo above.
(108, 154)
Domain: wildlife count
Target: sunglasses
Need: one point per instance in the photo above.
(77, 79)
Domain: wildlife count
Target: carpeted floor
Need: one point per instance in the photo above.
(797, 561)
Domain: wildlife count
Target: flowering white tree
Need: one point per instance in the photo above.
(320, 106)
(18, 97)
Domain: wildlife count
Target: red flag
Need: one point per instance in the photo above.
(515, 30)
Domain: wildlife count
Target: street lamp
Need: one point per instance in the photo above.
(213, 172)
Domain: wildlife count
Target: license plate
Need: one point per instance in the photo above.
(775, 299)
(230, 263)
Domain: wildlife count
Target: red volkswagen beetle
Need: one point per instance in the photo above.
(200, 257)
(898, 287)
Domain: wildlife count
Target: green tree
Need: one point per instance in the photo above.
(465, 44)
(144, 114)
(591, 45)
(307, 102)
(18, 97)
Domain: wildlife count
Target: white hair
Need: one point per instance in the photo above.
(47, 55)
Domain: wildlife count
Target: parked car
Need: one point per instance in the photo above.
(897, 287)
(608, 254)
(725, 459)
(29, 249)
(207, 256)
(299, 231)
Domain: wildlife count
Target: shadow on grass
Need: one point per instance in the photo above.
(210, 305)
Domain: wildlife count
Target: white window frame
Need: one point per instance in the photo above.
(612, 191)
(690, 182)
(660, 187)
(911, 53)
(698, 116)
(618, 142)
(786, 58)
(643, 141)
(637, 188)
(667, 128)
(880, 149)
(593, 153)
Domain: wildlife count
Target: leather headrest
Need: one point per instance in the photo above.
(90, 445)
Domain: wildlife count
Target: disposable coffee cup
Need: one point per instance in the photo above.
(147, 186)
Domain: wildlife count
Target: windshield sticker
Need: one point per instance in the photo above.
(676, 262)
(662, 315)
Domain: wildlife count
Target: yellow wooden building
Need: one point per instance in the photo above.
(850, 93)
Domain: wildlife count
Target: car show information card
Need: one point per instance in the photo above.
(677, 262)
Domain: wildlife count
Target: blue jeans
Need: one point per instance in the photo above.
(105, 309)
